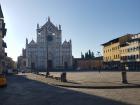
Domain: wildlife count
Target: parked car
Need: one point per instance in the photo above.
(3, 81)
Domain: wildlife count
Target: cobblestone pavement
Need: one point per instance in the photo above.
(31, 89)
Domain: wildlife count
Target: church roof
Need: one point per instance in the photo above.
(50, 26)
(1, 13)
(66, 43)
(49, 23)
(32, 42)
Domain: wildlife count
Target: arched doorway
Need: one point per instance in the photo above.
(50, 64)
(65, 65)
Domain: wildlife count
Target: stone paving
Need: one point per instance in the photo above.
(32, 89)
(97, 80)
(125, 95)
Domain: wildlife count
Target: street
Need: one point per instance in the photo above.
(24, 91)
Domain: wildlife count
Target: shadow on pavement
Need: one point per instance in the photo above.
(23, 91)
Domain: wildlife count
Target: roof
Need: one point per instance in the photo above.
(50, 26)
(32, 42)
(133, 40)
(117, 39)
(111, 41)
(96, 58)
(1, 13)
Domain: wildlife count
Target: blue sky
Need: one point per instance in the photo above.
(89, 23)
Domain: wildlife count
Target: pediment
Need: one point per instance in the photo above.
(50, 27)
(32, 43)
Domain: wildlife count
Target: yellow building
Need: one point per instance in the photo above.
(111, 51)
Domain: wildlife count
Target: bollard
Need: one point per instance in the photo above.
(63, 77)
(124, 77)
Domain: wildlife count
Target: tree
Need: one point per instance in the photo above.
(92, 55)
(89, 54)
(86, 55)
(82, 56)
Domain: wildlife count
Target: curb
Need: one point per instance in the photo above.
(96, 87)
(93, 87)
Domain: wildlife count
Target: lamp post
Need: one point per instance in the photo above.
(99, 55)
(47, 72)
(49, 38)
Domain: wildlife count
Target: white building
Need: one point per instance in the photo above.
(130, 52)
(48, 50)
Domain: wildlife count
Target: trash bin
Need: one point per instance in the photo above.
(63, 77)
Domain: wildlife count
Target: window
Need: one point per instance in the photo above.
(128, 57)
(0, 25)
(137, 48)
(137, 56)
(125, 50)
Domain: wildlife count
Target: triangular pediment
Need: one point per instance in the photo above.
(50, 27)
(32, 42)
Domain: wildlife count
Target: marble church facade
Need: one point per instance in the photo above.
(48, 51)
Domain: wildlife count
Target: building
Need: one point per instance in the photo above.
(10, 63)
(3, 45)
(130, 53)
(48, 51)
(88, 64)
(118, 52)
(21, 61)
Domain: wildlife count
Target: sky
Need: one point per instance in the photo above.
(88, 23)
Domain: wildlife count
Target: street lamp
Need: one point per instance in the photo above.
(99, 55)
(49, 38)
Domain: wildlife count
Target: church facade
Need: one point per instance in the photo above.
(48, 51)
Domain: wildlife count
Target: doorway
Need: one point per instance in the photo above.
(65, 65)
(50, 64)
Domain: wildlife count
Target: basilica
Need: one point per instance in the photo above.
(48, 51)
